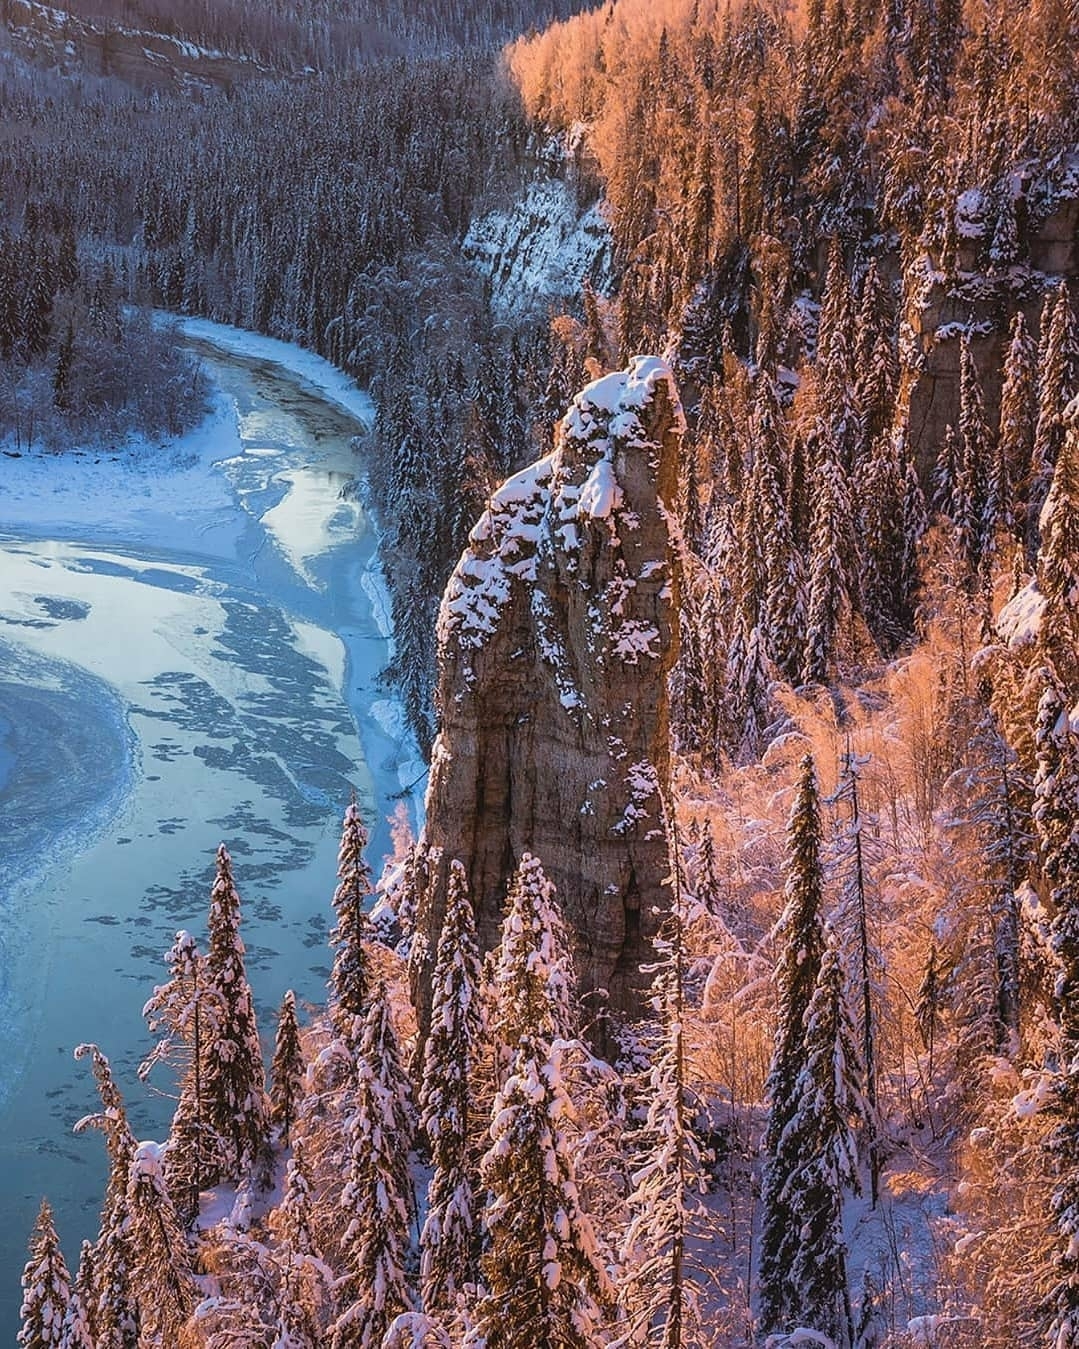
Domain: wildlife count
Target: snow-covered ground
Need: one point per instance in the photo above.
(190, 643)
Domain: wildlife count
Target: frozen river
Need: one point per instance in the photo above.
(189, 654)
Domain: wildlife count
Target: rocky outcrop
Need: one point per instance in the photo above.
(556, 635)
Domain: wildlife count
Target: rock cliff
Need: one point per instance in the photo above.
(556, 635)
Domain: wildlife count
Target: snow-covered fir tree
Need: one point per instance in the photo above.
(801, 931)
(46, 1287)
(162, 1276)
(543, 1280)
(533, 968)
(448, 1241)
(287, 1071)
(350, 979)
(234, 1076)
(377, 1201)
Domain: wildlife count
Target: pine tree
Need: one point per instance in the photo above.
(660, 1294)
(544, 1283)
(1018, 404)
(1058, 381)
(78, 1329)
(115, 1312)
(801, 929)
(177, 1009)
(820, 1141)
(302, 1275)
(1058, 557)
(46, 1287)
(162, 1277)
(350, 979)
(234, 1076)
(450, 1231)
(377, 1198)
(286, 1071)
(829, 577)
(533, 965)
(971, 481)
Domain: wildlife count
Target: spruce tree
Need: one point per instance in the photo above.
(1058, 557)
(801, 929)
(235, 1079)
(162, 1277)
(660, 1295)
(115, 1313)
(829, 575)
(350, 978)
(1058, 378)
(46, 1287)
(1018, 406)
(377, 1199)
(302, 1275)
(544, 1283)
(819, 1141)
(449, 1237)
(533, 968)
(286, 1071)
(78, 1329)
(972, 478)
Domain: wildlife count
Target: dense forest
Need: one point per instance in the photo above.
(852, 1117)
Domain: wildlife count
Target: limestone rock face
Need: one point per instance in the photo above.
(556, 634)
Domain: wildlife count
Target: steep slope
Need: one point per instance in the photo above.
(556, 635)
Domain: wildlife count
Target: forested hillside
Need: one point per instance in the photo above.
(849, 1114)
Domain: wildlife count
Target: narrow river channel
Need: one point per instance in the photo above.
(173, 676)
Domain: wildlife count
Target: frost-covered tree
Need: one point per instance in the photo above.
(234, 1076)
(115, 1313)
(1058, 374)
(543, 1279)
(1058, 557)
(449, 1236)
(78, 1328)
(302, 1277)
(287, 1071)
(801, 930)
(1018, 404)
(533, 968)
(176, 1012)
(350, 978)
(971, 482)
(819, 1141)
(660, 1296)
(829, 574)
(377, 1200)
(162, 1278)
(46, 1287)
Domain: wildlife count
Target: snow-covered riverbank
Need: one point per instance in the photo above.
(222, 595)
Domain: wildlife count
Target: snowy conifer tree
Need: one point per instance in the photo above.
(801, 930)
(819, 1142)
(302, 1279)
(1058, 557)
(533, 969)
(544, 1283)
(349, 981)
(661, 1298)
(287, 1071)
(235, 1079)
(1018, 405)
(46, 1287)
(162, 1277)
(377, 1199)
(829, 579)
(449, 1233)
(78, 1332)
(972, 479)
(115, 1313)
(1058, 374)
(176, 1012)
